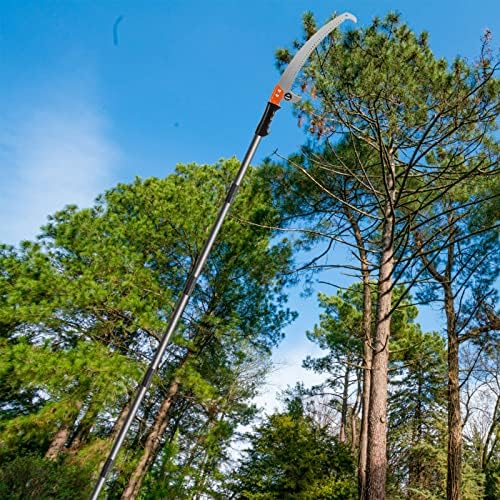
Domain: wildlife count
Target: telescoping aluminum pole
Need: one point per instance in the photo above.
(280, 92)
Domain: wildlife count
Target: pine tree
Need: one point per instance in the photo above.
(290, 456)
(83, 308)
(381, 91)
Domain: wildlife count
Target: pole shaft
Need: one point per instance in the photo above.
(175, 317)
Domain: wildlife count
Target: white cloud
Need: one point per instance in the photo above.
(52, 154)
(287, 372)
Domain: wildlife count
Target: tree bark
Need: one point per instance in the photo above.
(114, 432)
(343, 413)
(78, 438)
(415, 466)
(82, 431)
(62, 435)
(120, 420)
(367, 361)
(377, 419)
(152, 443)
(454, 461)
(58, 442)
(354, 432)
(491, 437)
(367, 352)
(454, 476)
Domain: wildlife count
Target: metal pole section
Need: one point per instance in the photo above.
(176, 315)
(281, 91)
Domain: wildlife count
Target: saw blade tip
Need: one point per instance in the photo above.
(350, 16)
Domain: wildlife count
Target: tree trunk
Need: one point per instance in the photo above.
(343, 413)
(491, 437)
(377, 419)
(454, 472)
(62, 435)
(82, 431)
(354, 432)
(367, 351)
(114, 432)
(446, 279)
(58, 442)
(78, 438)
(120, 420)
(454, 476)
(152, 443)
(367, 362)
(415, 466)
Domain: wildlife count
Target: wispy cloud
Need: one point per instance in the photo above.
(55, 153)
(287, 372)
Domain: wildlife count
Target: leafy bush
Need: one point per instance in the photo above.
(34, 477)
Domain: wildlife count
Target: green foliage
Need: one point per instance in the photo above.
(417, 434)
(402, 157)
(388, 69)
(32, 477)
(492, 481)
(83, 308)
(340, 326)
(291, 457)
(63, 380)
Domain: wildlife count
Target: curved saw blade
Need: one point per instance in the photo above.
(284, 86)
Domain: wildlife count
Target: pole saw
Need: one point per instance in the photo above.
(282, 91)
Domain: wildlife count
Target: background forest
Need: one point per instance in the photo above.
(398, 174)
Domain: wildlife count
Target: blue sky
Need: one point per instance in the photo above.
(94, 93)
